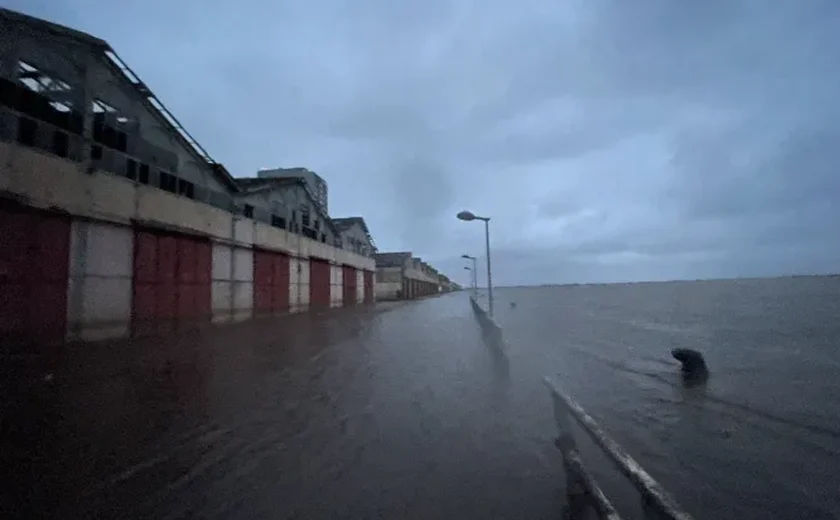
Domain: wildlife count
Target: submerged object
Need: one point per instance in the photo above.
(512, 305)
(693, 364)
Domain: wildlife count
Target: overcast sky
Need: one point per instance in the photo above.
(609, 140)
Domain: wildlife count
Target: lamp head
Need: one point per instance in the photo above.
(465, 215)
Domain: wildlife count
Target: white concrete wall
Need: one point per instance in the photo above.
(360, 286)
(233, 283)
(387, 290)
(336, 285)
(222, 285)
(298, 284)
(99, 293)
(243, 283)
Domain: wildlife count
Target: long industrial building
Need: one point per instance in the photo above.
(115, 222)
(401, 276)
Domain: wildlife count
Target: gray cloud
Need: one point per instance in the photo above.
(608, 140)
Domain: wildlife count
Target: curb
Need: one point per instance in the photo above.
(484, 319)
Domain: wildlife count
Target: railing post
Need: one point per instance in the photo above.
(654, 497)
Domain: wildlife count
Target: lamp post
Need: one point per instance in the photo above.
(474, 274)
(472, 278)
(468, 216)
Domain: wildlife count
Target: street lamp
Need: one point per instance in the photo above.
(474, 274)
(468, 216)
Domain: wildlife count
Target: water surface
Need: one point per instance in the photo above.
(760, 440)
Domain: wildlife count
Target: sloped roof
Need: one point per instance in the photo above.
(345, 223)
(391, 259)
(256, 184)
(252, 184)
(121, 70)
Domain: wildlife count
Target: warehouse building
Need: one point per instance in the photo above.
(400, 276)
(116, 222)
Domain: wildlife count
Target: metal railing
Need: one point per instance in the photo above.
(582, 490)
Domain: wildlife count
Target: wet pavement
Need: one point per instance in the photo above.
(405, 411)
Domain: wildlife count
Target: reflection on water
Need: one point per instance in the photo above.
(759, 439)
(409, 413)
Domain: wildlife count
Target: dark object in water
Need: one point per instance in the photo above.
(693, 364)
(512, 304)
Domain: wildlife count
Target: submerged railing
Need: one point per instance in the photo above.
(582, 490)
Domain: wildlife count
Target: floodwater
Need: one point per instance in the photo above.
(761, 439)
(354, 413)
(411, 412)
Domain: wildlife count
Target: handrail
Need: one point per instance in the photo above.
(654, 494)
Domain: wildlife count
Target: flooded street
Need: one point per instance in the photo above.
(356, 413)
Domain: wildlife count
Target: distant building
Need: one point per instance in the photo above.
(354, 235)
(401, 276)
(316, 185)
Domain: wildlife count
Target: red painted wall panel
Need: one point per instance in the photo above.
(263, 280)
(319, 283)
(172, 279)
(281, 270)
(263, 269)
(145, 301)
(186, 260)
(15, 238)
(262, 297)
(271, 281)
(203, 301)
(166, 300)
(34, 261)
(52, 247)
(13, 313)
(204, 263)
(48, 309)
(167, 261)
(145, 257)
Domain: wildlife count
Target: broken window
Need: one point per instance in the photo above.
(143, 174)
(186, 188)
(39, 81)
(27, 131)
(304, 216)
(278, 221)
(101, 107)
(131, 169)
(168, 182)
(104, 118)
(248, 211)
(60, 144)
(45, 97)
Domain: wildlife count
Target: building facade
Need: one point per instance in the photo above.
(313, 182)
(400, 276)
(354, 235)
(116, 222)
